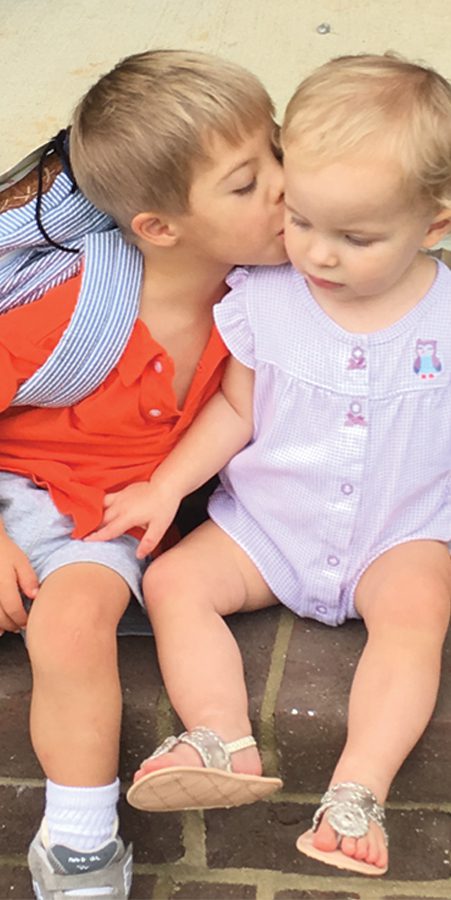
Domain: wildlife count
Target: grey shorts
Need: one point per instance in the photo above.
(34, 523)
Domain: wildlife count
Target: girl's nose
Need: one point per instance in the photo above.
(321, 253)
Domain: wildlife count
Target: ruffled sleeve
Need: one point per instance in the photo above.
(232, 321)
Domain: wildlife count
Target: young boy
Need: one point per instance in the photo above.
(178, 148)
(338, 505)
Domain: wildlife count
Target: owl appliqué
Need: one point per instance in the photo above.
(426, 364)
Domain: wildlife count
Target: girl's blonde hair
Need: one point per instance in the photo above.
(371, 104)
(140, 133)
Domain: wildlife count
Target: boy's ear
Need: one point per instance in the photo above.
(440, 225)
(154, 229)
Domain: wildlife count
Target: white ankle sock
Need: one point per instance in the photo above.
(81, 818)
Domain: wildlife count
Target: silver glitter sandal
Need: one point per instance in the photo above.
(192, 787)
(350, 808)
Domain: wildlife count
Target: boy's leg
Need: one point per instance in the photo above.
(188, 590)
(75, 722)
(404, 599)
(76, 698)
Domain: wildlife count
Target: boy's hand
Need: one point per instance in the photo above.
(141, 504)
(16, 575)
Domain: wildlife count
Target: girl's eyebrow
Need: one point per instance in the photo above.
(361, 230)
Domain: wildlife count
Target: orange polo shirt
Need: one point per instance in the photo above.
(117, 435)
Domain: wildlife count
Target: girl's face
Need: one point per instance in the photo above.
(350, 229)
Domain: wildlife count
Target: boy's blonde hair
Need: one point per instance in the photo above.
(140, 133)
(370, 103)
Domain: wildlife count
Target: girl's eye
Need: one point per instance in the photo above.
(248, 188)
(298, 222)
(358, 242)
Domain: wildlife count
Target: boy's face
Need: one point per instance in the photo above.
(349, 228)
(236, 212)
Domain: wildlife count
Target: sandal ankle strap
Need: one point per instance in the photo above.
(213, 751)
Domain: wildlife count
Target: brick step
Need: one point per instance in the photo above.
(298, 674)
(239, 850)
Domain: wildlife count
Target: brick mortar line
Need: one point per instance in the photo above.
(22, 782)
(268, 741)
(369, 889)
(194, 838)
(170, 874)
(314, 799)
(164, 887)
(165, 718)
(285, 797)
(304, 799)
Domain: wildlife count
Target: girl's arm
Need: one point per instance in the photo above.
(222, 428)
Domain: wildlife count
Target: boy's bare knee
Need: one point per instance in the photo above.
(70, 633)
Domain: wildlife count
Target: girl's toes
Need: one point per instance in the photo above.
(181, 755)
(325, 837)
(381, 855)
(349, 846)
(361, 849)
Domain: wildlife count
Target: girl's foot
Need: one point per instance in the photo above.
(245, 762)
(198, 770)
(348, 830)
(371, 848)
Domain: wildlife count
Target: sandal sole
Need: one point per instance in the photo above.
(186, 787)
(335, 857)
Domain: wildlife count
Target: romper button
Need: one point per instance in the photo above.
(158, 366)
(321, 609)
(333, 560)
(347, 488)
(155, 412)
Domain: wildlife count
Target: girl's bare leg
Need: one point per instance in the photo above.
(76, 700)
(188, 590)
(404, 599)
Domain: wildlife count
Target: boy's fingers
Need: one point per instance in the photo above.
(95, 536)
(146, 544)
(109, 499)
(106, 533)
(28, 581)
(13, 619)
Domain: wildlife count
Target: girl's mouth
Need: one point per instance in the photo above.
(323, 283)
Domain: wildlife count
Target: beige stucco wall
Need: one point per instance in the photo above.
(52, 50)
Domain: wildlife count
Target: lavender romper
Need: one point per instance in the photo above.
(351, 447)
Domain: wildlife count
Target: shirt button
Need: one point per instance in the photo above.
(347, 488)
(158, 366)
(155, 413)
(321, 609)
(333, 560)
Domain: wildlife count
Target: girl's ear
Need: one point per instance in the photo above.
(155, 229)
(440, 225)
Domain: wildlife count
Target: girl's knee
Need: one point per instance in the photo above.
(164, 580)
(412, 606)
